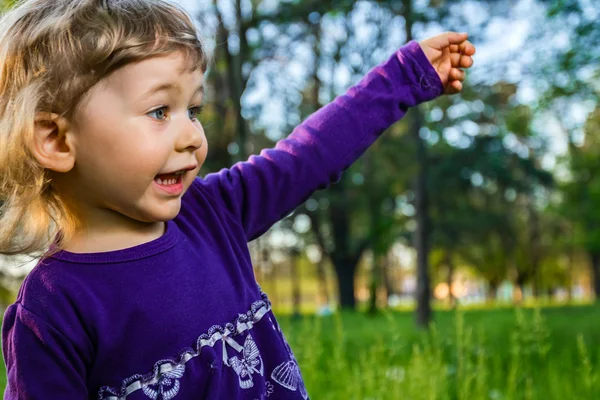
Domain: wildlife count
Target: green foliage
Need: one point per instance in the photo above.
(488, 200)
(485, 194)
(582, 192)
(6, 4)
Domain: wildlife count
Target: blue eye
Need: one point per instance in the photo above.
(194, 112)
(159, 113)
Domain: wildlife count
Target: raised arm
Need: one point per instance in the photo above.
(262, 190)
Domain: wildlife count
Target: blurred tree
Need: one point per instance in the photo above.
(384, 183)
(582, 195)
(228, 78)
(481, 188)
(421, 200)
(371, 196)
(340, 233)
(569, 78)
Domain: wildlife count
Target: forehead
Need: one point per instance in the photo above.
(137, 82)
(169, 67)
(173, 71)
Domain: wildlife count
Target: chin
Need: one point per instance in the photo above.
(165, 215)
(162, 214)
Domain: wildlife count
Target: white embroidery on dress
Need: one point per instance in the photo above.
(269, 388)
(167, 386)
(287, 374)
(164, 369)
(250, 363)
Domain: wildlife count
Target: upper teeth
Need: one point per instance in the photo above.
(166, 181)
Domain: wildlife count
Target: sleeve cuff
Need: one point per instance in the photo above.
(428, 83)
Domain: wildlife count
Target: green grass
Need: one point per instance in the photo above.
(553, 353)
(495, 354)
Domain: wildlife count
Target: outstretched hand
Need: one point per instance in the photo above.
(449, 53)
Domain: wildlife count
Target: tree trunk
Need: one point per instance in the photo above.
(373, 291)
(377, 276)
(534, 244)
(322, 280)
(595, 258)
(449, 279)
(344, 257)
(383, 280)
(236, 80)
(295, 276)
(344, 270)
(570, 274)
(273, 278)
(423, 291)
(536, 288)
(239, 82)
(387, 279)
(423, 317)
(492, 293)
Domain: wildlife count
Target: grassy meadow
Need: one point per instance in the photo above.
(501, 353)
(508, 354)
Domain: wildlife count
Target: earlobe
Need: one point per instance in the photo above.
(52, 145)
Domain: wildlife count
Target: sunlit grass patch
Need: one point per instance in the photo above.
(495, 354)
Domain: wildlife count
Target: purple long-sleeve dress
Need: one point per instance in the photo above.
(182, 317)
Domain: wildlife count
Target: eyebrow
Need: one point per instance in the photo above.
(170, 87)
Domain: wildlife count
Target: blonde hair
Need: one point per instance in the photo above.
(51, 53)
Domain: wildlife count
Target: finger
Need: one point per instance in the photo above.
(457, 74)
(466, 48)
(454, 48)
(456, 38)
(455, 59)
(454, 87)
(446, 39)
(458, 60)
(465, 62)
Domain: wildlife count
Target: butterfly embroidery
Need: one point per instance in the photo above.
(288, 375)
(167, 386)
(250, 363)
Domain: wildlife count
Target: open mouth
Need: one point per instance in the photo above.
(172, 183)
(173, 178)
(169, 179)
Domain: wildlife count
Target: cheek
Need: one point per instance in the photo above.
(201, 153)
(200, 158)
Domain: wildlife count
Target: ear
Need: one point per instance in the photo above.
(52, 145)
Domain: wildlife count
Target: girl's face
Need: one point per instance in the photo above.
(137, 140)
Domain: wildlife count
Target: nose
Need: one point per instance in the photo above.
(190, 136)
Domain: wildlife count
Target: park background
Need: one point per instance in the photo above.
(459, 258)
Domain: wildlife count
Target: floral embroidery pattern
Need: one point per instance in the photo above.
(166, 373)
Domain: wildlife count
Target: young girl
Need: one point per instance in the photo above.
(146, 289)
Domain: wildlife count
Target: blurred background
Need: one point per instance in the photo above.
(459, 258)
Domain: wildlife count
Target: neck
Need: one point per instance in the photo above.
(117, 233)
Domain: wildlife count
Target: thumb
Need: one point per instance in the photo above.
(446, 39)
